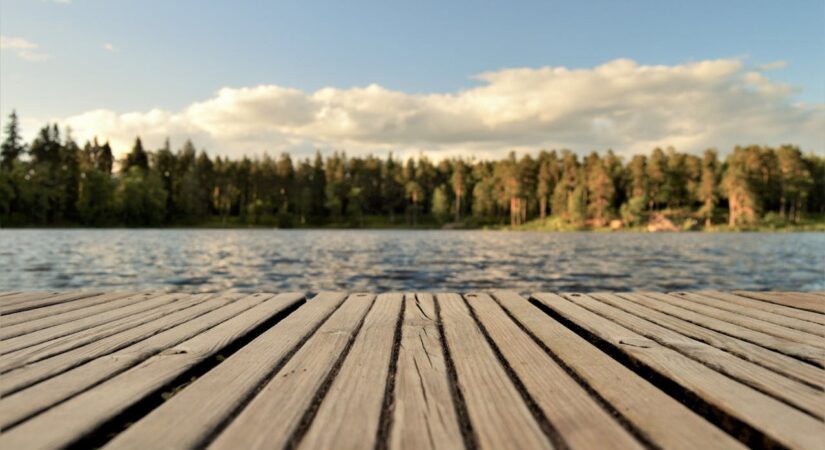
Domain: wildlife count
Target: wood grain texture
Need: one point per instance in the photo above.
(790, 367)
(349, 415)
(25, 403)
(779, 423)
(743, 319)
(25, 376)
(65, 329)
(218, 394)
(708, 370)
(812, 302)
(665, 304)
(43, 318)
(275, 413)
(61, 308)
(748, 303)
(756, 313)
(47, 349)
(41, 299)
(576, 417)
(500, 417)
(424, 416)
(83, 414)
(802, 396)
(18, 297)
(664, 422)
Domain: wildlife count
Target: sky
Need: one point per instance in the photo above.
(443, 79)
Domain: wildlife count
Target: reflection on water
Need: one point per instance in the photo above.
(314, 260)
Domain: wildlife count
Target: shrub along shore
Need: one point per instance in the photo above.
(55, 181)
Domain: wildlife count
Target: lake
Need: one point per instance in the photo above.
(388, 260)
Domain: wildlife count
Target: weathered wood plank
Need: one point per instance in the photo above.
(745, 321)
(350, 412)
(424, 416)
(784, 346)
(60, 308)
(816, 331)
(54, 332)
(663, 421)
(25, 376)
(19, 297)
(28, 402)
(775, 361)
(81, 415)
(750, 303)
(276, 412)
(42, 318)
(499, 415)
(812, 303)
(34, 353)
(41, 299)
(801, 396)
(778, 423)
(578, 420)
(191, 418)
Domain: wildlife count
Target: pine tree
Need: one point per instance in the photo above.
(600, 190)
(12, 146)
(136, 158)
(547, 178)
(657, 178)
(392, 188)
(738, 185)
(441, 204)
(708, 188)
(105, 159)
(459, 184)
(795, 182)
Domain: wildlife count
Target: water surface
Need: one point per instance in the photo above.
(315, 260)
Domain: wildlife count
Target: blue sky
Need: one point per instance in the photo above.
(168, 55)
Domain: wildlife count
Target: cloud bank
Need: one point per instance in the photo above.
(23, 48)
(621, 105)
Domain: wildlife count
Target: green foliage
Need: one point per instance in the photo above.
(441, 205)
(631, 212)
(140, 199)
(12, 146)
(95, 200)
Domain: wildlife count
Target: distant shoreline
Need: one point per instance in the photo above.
(817, 227)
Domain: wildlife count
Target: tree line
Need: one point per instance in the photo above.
(55, 181)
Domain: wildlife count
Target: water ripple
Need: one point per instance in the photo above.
(317, 260)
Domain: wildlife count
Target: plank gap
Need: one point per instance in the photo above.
(741, 336)
(218, 429)
(549, 429)
(623, 421)
(385, 421)
(301, 429)
(716, 368)
(116, 425)
(736, 428)
(464, 423)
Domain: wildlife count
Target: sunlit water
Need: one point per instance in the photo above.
(315, 260)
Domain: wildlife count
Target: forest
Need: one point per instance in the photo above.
(54, 181)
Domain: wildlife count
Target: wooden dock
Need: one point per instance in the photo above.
(686, 370)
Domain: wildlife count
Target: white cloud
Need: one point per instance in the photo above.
(109, 47)
(776, 65)
(621, 105)
(15, 43)
(23, 48)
